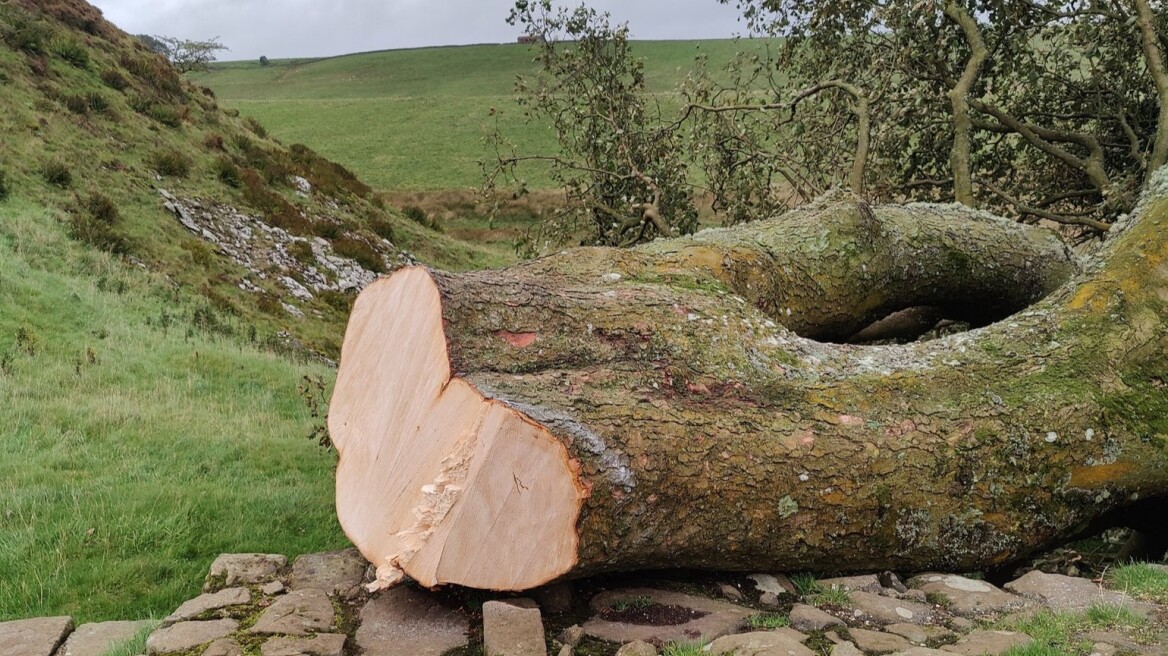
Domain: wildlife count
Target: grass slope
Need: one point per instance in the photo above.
(136, 444)
(415, 119)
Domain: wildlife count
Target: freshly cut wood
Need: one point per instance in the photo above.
(604, 410)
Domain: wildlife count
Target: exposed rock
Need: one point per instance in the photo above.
(730, 592)
(922, 651)
(810, 618)
(638, 648)
(845, 648)
(775, 584)
(321, 644)
(892, 582)
(886, 610)
(572, 635)
(555, 599)
(1068, 593)
(865, 583)
(969, 597)
(224, 647)
(35, 637)
(510, 629)
(188, 635)
(208, 602)
(759, 643)
(988, 643)
(1116, 639)
(769, 599)
(273, 588)
(722, 618)
(566, 650)
(242, 569)
(297, 613)
(1103, 649)
(335, 572)
(919, 596)
(877, 641)
(408, 622)
(918, 634)
(99, 638)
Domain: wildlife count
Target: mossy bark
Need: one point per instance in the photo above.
(709, 434)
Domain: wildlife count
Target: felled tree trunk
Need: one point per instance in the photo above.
(604, 410)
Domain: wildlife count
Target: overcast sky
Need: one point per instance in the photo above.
(314, 28)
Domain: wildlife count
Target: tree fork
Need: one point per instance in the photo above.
(605, 410)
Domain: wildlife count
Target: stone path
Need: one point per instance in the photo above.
(261, 605)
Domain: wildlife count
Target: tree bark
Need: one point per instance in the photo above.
(960, 158)
(605, 410)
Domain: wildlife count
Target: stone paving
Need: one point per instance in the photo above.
(262, 605)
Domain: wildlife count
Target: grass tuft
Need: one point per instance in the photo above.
(171, 163)
(72, 52)
(56, 172)
(1141, 580)
(768, 621)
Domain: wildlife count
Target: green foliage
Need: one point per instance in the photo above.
(56, 172)
(684, 649)
(72, 52)
(256, 128)
(639, 602)
(264, 60)
(806, 584)
(381, 227)
(1142, 580)
(419, 216)
(171, 163)
(155, 72)
(188, 55)
(95, 222)
(360, 251)
(621, 164)
(157, 108)
(768, 621)
(113, 78)
(22, 31)
(833, 596)
(227, 172)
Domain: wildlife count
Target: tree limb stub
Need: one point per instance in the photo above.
(605, 410)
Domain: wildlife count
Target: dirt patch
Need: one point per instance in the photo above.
(652, 615)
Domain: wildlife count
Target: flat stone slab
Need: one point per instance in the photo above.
(193, 608)
(886, 610)
(988, 643)
(878, 641)
(224, 647)
(775, 584)
(918, 634)
(845, 649)
(36, 637)
(243, 569)
(408, 622)
(810, 618)
(513, 629)
(336, 572)
(321, 644)
(759, 643)
(188, 635)
(865, 583)
(297, 613)
(922, 651)
(1069, 593)
(722, 618)
(970, 597)
(98, 638)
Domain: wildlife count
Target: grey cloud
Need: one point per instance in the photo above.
(312, 28)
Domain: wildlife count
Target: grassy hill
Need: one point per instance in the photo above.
(414, 119)
(148, 374)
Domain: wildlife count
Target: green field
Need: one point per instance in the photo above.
(415, 119)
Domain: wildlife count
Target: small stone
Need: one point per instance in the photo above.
(886, 610)
(566, 650)
(759, 643)
(34, 637)
(243, 569)
(638, 648)
(918, 634)
(961, 624)
(224, 647)
(988, 643)
(775, 584)
(193, 608)
(1103, 649)
(572, 635)
(892, 582)
(769, 599)
(845, 649)
(555, 599)
(188, 635)
(272, 589)
(511, 630)
(408, 622)
(878, 640)
(865, 583)
(321, 644)
(298, 613)
(97, 639)
(810, 618)
(336, 572)
(730, 592)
